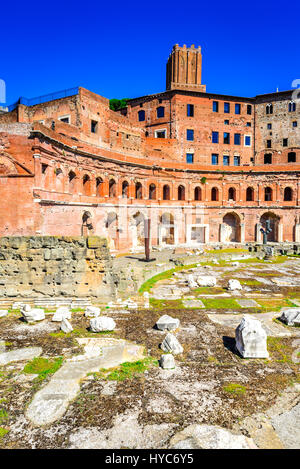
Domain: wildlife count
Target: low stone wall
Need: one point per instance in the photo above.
(55, 266)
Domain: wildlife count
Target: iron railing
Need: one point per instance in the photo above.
(44, 98)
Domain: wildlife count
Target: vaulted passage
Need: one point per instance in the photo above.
(231, 227)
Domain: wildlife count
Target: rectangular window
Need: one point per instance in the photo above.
(190, 157)
(160, 134)
(295, 124)
(248, 124)
(215, 106)
(225, 160)
(247, 141)
(226, 108)
(215, 137)
(94, 125)
(190, 110)
(237, 108)
(269, 126)
(292, 157)
(227, 138)
(65, 119)
(236, 161)
(226, 122)
(249, 109)
(285, 142)
(44, 168)
(160, 112)
(268, 158)
(190, 134)
(237, 139)
(214, 159)
(269, 143)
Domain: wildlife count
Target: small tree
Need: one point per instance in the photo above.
(117, 104)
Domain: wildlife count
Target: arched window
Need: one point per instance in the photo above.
(99, 187)
(231, 193)
(141, 115)
(160, 112)
(181, 192)
(138, 190)
(249, 194)
(268, 194)
(288, 194)
(152, 192)
(197, 193)
(112, 188)
(125, 189)
(86, 184)
(215, 194)
(72, 178)
(166, 192)
(292, 106)
(269, 109)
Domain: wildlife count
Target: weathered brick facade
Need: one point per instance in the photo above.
(204, 167)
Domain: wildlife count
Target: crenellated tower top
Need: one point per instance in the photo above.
(184, 68)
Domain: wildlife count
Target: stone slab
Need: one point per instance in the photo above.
(245, 303)
(193, 304)
(20, 354)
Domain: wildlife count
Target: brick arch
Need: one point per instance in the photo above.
(232, 227)
(274, 220)
(181, 192)
(72, 176)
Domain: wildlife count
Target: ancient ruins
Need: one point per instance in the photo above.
(150, 269)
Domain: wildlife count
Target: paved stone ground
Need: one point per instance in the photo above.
(213, 398)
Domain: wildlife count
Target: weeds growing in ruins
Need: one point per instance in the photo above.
(43, 367)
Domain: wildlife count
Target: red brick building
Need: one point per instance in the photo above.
(203, 166)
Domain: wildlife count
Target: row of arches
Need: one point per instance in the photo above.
(231, 224)
(288, 193)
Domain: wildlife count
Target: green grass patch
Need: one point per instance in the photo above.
(235, 389)
(127, 370)
(43, 366)
(249, 282)
(209, 290)
(279, 349)
(3, 432)
(146, 286)
(220, 303)
(3, 416)
(166, 304)
(80, 332)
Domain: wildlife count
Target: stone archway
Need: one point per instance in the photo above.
(274, 222)
(231, 228)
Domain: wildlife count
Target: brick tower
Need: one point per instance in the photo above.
(184, 69)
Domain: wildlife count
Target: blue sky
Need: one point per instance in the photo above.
(119, 49)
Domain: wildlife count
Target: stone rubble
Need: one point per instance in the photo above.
(290, 316)
(168, 323)
(206, 281)
(102, 323)
(32, 314)
(251, 338)
(61, 312)
(167, 361)
(234, 284)
(65, 326)
(171, 344)
(92, 312)
(209, 437)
